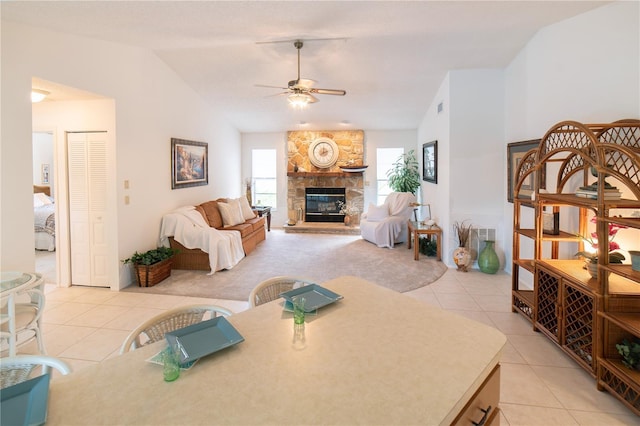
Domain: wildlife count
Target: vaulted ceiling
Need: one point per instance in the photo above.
(390, 56)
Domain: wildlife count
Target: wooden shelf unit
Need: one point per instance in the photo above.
(586, 317)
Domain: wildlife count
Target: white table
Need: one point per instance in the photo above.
(375, 357)
(11, 285)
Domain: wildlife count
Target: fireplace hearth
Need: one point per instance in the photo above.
(323, 204)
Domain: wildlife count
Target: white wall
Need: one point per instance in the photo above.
(476, 155)
(470, 153)
(435, 126)
(42, 154)
(373, 139)
(586, 68)
(152, 105)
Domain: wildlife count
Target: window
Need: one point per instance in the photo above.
(263, 172)
(385, 157)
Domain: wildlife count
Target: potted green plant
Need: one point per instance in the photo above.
(152, 266)
(428, 246)
(404, 176)
(630, 352)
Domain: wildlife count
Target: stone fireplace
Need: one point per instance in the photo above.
(303, 175)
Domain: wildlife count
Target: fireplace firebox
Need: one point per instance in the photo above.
(321, 204)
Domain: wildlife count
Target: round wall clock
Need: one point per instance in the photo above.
(323, 153)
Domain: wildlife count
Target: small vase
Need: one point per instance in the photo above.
(347, 220)
(462, 258)
(635, 260)
(488, 261)
(593, 269)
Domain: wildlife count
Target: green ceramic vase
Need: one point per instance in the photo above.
(488, 261)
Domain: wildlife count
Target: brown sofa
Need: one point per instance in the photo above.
(252, 232)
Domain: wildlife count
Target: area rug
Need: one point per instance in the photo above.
(316, 257)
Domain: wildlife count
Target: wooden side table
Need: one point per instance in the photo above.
(418, 229)
(264, 211)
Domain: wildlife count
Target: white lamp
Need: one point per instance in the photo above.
(38, 95)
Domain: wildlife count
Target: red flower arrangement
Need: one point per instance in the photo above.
(592, 256)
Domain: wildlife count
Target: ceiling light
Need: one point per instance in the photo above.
(298, 100)
(38, 95)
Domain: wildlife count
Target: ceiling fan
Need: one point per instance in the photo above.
(300, 91)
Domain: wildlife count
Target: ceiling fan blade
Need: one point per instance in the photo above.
(304, 40)
(271, 87)
(278, 94)
(328, 92)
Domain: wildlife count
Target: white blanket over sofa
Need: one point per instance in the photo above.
(390, 227)
(188, 227)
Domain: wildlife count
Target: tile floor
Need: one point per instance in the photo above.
(540, 385)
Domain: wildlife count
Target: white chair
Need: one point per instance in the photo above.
(21, 317)
(271, 288)
(386, 225)
(17, 369)
(154, 329)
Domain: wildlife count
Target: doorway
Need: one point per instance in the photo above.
(67, 110)
(44, 205)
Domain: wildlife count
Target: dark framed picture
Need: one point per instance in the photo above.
(430, 162)
(515, 153)
(189, 163)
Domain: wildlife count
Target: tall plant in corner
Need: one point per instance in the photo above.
(404, 176)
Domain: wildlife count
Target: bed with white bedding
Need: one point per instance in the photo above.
(44, 221)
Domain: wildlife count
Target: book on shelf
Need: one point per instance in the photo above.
(609, 194)
(594, 187)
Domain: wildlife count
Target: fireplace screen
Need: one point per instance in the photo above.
(321, 204)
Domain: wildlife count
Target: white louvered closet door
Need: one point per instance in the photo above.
(87, 157)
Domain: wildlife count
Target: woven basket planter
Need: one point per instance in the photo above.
(150, 275)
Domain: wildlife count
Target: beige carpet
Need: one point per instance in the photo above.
(318, 257)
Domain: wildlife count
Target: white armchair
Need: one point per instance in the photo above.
(386, 225)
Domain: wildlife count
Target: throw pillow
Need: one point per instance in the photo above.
(237, 210)
(247, 213)
(212, 214)
(40, 199)
(377, 213)
(231, 213)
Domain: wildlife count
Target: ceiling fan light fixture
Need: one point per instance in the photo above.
(298, 100)
(38, 95)
(300, 91)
